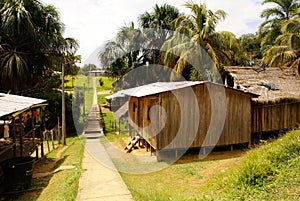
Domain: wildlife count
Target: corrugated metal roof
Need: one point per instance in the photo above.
(153, 88)
(10, 104)
(159, 87)
(115, 95)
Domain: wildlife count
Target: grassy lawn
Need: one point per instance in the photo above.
(110, 125)
(107, 81)
(82, 85)
(270, 172)
(62, 185)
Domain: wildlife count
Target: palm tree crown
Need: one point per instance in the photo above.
(199, 30)
(286, 50)
(282, 11)
(31, 39)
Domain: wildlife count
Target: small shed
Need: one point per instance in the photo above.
(184, 115)
(278, 106)
(96, 73)
(21, 125)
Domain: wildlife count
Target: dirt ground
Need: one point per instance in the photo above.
(43, 169)
(221, 160)
(103, 92)
(215, 155)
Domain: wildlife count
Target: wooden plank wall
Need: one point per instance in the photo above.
(138, 117)
(236, 130)
(275, 116)
(237, 125)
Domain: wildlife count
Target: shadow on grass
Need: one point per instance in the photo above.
(219, 153)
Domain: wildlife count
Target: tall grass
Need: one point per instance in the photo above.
(107, 81)
(271, 172)
(261, 165)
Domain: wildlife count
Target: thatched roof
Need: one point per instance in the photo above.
(272, 84)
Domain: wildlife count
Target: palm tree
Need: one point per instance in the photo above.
(31, 40)
(123, 54)
(199, 30)
(286, 51)
(283, 10)
(161, 17)
(160, 23)
(251, 45)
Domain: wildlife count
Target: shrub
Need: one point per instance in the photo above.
(101, 82)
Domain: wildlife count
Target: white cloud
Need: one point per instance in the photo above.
(92, 22)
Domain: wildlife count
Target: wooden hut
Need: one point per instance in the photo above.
(278, 106)
(181, 115)
(21, 125)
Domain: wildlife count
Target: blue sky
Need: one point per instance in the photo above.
(92, 22)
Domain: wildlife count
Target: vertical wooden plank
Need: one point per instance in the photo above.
(33, 129)
(42, 128)
(14, 136)
(21, 135)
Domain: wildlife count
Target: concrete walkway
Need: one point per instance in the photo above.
(98, 182)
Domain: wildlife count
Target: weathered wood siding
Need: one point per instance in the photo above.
(274, 116)
(162, 135)
(237, 126)
(138, 113)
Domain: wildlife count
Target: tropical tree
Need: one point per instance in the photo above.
(160, 25)
(161, 17)
(251, 45)
(282, 11)
(31, 41)
(123, 54)
(286, 51)
(199, 30)
(31, 47)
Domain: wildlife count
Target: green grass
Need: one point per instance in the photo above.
(101, 99)
(270, 172)
(61, 186)
(177, 182)
(83, 85)
(109, 124)
(107, 81)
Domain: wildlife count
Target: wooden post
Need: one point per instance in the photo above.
(63, 113)
(130, 131)
(32, 127)
(119, 126)
(47, 140)
(42, 128)
(83, 99)
(250, 141)
(52, 139)
(58, 131)
(21, 135)
(14, 137)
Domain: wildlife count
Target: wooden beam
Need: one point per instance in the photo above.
(21, 135)
(14, 136)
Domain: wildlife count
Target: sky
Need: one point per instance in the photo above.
(93, 22)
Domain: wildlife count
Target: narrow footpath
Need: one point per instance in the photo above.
(98, 182)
